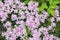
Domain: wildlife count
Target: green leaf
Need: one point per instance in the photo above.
(28, 32)
(56, 2)
(50, 2)
(53, 6)
(51, 11)
(43, 5)
(26, 2)
(36, 0)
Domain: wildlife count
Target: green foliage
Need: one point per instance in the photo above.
(50, 2)
(42, 35)
(28, 32)
(22, 0)
(2, 28)
(24, 20)
(18, 38)
(49, 5)
(40, 1)
(43, 5)
(56, 2)
(53, 6)
(57, 29)
(50, 32)
(26, 2)
(50, 11)
(2, 37)
(46, 24)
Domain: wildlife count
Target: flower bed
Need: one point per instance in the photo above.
(30, 20)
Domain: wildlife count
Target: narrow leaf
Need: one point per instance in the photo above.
(50, 2)
(26, 2)
(43, 5)
(53, 6)
(56, 2)
(51, 11)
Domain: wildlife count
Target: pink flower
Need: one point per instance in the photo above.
(52, 19)
(50, 28)
(32, 5)
(58, 18)
(56, 12)
(7, 24)
(3, 16)
(53, 24)
(14, 17)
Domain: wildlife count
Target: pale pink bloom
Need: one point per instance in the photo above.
(37, 21)
(30, 38)
(32, 5)
(3, 19)
(22, 15)
(17, 22)
(15, 11)
(7, 24)
(45, 38)
(13, 37)
(42, 20)
(50, 28)
(14, 17)
(53, 24)
(45, 13)
(58, 18)
(56, 12)
(33, 13)
(9, 2)
(52, 19)
(1, 4)
(2, 14)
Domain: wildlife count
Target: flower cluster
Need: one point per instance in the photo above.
(15, 16)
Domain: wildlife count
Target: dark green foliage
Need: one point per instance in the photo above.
(18, 38)
(2, 28)
(13, 23)
(28, 32)
(24, 20)
(51, 32)
(22, 0)
(57, 30)
(2, 37)
(46, 24)
(42, 35)
(9, 19)
(3, 1)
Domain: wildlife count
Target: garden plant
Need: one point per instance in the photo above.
(29, 19)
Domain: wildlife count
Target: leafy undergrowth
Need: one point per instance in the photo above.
(56, 30)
